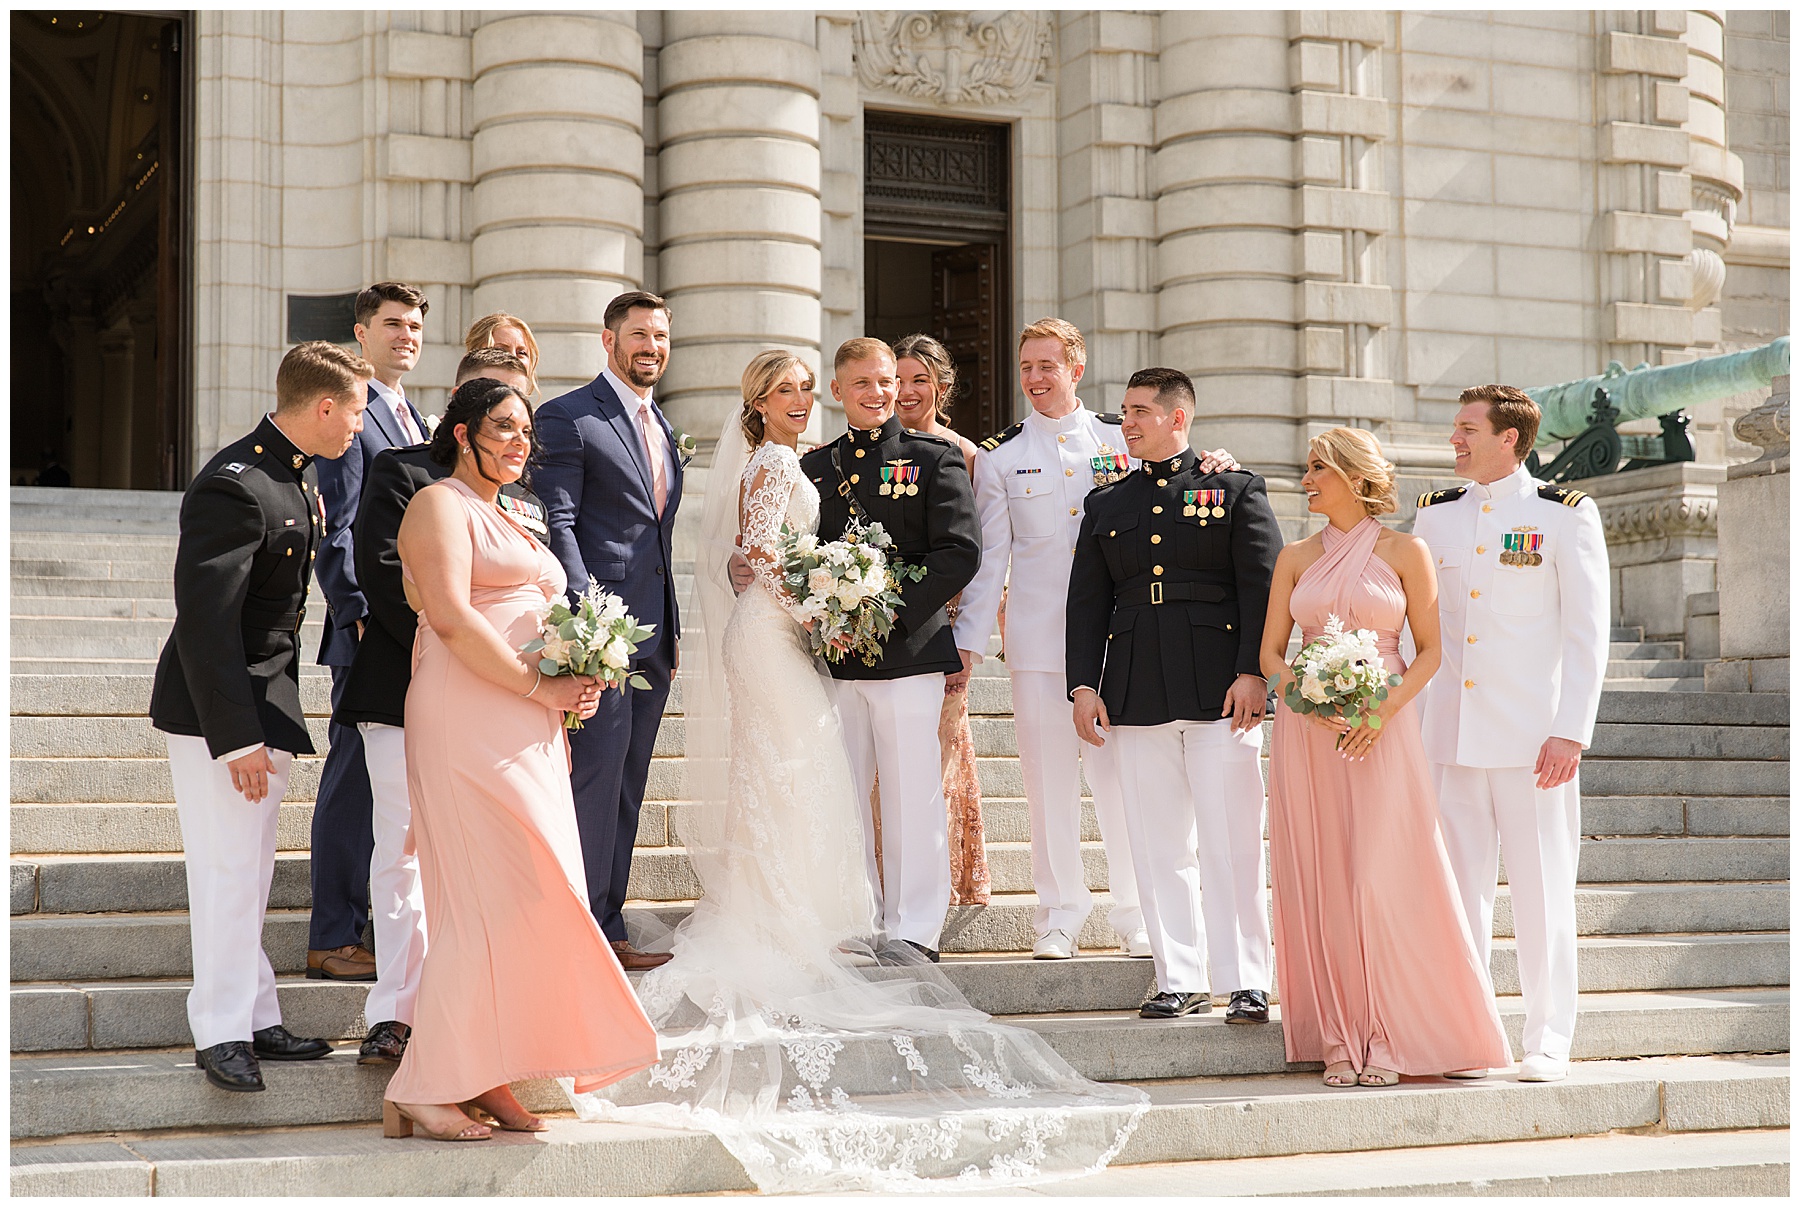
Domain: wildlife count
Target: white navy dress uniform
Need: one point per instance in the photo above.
(1524, 600)
(1030, 482)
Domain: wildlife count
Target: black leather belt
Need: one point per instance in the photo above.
(275, 622)
(1161, 593)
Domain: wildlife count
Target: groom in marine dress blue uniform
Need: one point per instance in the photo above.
(606, 459)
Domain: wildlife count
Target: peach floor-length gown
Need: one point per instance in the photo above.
(1373, 958)
(518, 981)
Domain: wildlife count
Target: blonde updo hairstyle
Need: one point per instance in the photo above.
(765, 371)
(483, 330)
(1355, 454)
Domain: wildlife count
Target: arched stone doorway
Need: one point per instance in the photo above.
(100, 280)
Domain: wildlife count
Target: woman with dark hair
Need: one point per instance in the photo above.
(927, 384)
(518, 980)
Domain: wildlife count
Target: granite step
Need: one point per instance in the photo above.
(1191, 1118)
(61, 947)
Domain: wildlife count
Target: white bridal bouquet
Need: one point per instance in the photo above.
(1341, 674)
(848, 589)
(598, 637)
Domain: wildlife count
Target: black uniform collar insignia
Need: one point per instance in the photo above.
(280, 447)
(1173, 465)
(875, 435)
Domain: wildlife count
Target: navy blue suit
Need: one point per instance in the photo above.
(343, 833)
(594, 480)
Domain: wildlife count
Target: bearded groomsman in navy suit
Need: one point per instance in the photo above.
(609, 474)
(390, 326)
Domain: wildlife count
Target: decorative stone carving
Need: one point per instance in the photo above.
(1707, 269)
(1660, 519)
(1768, 425)
(953, 56)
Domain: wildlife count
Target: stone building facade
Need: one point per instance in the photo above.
(1325, 217)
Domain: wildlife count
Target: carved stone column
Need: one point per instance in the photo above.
(559, 166)
(740, 216)
(1753, 557)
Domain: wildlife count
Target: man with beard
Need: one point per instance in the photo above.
(610, 476)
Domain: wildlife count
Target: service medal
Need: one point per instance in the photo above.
(1109, 466)
(1521, 548)
(1188, 506)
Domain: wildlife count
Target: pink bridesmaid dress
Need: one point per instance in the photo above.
(518, 981)
(1373, 958)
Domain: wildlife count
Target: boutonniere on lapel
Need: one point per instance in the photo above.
(431, 425)
(685, 446)
(899, 478)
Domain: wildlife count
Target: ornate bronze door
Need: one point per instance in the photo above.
(964, 317)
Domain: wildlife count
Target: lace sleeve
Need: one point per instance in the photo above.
(768, 484)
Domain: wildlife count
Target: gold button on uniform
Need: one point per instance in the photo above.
(1481, 548)
(1074, 511)
(288, 552)
(257, 448)
(861, 453)
(1112, 532)
(1068, 473)
(1162, 481)
(1471, 639)
(854, 479)
(1474, 595)
(1155, 539)
(1487, 507)
(1157, 510)
(1062, 439)
(1468, 683)
(1156, 569)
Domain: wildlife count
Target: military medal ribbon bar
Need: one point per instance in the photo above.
(1522, 549)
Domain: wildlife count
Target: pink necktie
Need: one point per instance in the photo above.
(653, 450)
(403, 414)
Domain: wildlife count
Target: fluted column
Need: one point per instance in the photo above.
(558, 164)
(1225, 218)
(740, 212)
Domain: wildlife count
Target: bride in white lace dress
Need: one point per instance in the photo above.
(818, 1070)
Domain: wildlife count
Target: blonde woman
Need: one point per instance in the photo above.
(927, 383)
(1379, 975)
(507, 331)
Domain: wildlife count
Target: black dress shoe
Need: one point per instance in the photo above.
(923, 950)
(231, 1066)
(1248, 1006)
(386, 1044)
(275, 1043)
(1175, 1005)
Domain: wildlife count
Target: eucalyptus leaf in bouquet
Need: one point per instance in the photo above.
(597, 637)
(847, 591)
(1341, 673)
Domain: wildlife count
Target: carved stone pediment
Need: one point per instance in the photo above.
(953, 56)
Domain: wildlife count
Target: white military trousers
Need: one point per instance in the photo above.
(1489, 810)
(1052, 760)
(230, 856)
(890, 727)
(396, 898)
(1194, 807)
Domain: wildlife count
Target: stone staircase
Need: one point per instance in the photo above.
(1681, 1084)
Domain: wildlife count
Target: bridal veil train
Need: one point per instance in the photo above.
(818, 1070)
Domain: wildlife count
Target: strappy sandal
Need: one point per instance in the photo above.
(1374, 1077)
(1340, 1075)
(481, 1114)
(397, 1124)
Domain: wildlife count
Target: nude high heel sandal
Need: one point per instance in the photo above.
(396, 1124)
(481, 1114)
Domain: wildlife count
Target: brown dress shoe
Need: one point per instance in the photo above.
(352, 963)
(633, 960)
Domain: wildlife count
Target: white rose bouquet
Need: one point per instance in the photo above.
(1341, 674)
(598, 637)
(847, 591)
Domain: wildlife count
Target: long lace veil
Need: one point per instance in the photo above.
(817, 1069)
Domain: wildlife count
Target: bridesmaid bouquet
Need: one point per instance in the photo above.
(1340, 673)
(849, 589)
(597, 637)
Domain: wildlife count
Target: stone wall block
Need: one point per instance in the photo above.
(1705, 79)
(1630, 142)
(1225, 205)
(556, 144)
(760, 264)
(740, 213)
(544, 248)
(418, 157)
(1674, 192)
(1315, 65)
(1335, 113)
(1349, 209)
(1179, 26)
(1634, 53)
(714, 161)
(796, 25)
(1335, 302)
(1232, 348)
(1206, 253)
(590, 39)
(434, 261)
(1232, 109)
(1347, 398)
(1226, 299)
(1124, 218)
(1223, 158)
(1124, 126)
(774, 315)
(1651, 233)
(421, 56)
(1321, 254)
(738, 109)
(533, 197)
(1368, 28)
(1641, 323)
(1323, 349)
(1671, 103)
(738, 60)
(542, 294)
(572, 90)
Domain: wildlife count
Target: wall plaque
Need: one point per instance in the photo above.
(330, 317)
